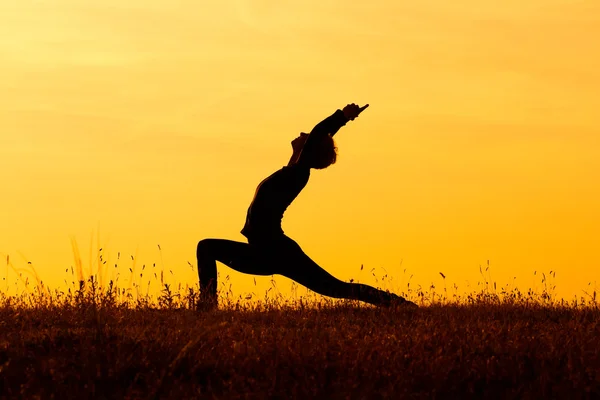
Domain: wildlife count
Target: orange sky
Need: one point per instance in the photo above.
(154, 121)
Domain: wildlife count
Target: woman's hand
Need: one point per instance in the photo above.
(351, 111)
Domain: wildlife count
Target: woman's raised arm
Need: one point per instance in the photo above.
(331, 124)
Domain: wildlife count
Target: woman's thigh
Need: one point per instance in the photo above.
(239, 256)
(288, 259)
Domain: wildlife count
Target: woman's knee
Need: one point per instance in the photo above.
(203, 247)
(332, 288)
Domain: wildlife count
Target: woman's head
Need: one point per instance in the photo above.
(322, 153)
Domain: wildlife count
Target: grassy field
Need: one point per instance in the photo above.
(93, 344)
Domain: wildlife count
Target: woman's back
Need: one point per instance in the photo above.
(272, 197)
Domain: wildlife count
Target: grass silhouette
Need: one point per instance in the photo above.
(98, 340)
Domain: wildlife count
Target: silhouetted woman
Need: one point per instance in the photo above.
(269, 251)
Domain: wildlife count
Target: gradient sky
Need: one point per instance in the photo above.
(151, 123)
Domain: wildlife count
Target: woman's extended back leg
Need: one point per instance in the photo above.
(302, 269)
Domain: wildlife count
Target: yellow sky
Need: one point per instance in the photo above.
(154, 121)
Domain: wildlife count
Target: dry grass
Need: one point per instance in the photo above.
(92, 343)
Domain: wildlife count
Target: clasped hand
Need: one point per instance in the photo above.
(352, 111)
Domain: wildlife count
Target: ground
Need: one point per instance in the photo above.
(94, 348)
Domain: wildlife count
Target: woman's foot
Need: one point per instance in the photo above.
(206, 304)
(401, 302)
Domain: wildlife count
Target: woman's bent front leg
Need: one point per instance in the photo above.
(237, 255)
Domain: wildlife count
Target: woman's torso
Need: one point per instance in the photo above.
(272, 197)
